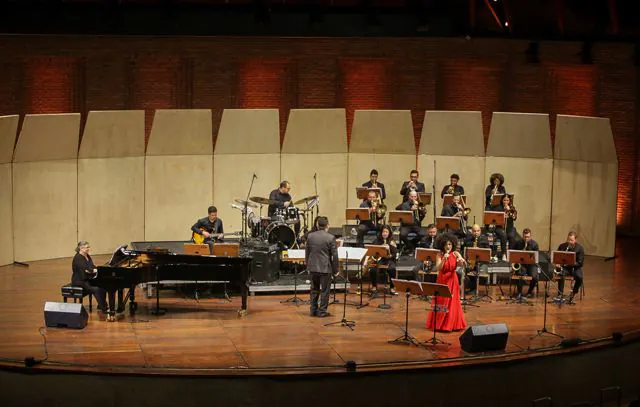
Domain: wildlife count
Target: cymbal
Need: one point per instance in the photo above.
(305, 200)
(261, 200)
(249, 204)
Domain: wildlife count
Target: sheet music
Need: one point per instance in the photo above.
(296, 254)
(352, 253)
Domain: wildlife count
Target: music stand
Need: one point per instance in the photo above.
(401, 217)
(477, 255)
(561, 256)
(436, 290)
(447, 199)
(226, 249)
(497, 199)
(448, 224)
(348, 255)
(357, 214)
(197, 249)
(377, 251)
(424, 197)
(409, 287)
(296, 257)
(522, 257)
(563, 259)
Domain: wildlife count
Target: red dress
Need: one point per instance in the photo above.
(454, 319)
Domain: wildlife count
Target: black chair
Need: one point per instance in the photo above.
(77, 293)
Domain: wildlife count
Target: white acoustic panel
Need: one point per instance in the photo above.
(116, 133)
(8, 132)
(249, 131)
(48, 137)
(181, 132)
(232, 174)
(452, 133)
(520, 135)
(6, 211)
(45, 209)
(178, 191)
(316, 131)
(110, 202)
(331, 174)
(382, 132)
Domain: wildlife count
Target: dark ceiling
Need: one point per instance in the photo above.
(533, 19)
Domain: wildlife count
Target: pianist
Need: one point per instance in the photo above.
(210, 228)
(83, 270)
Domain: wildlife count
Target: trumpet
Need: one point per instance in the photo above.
(450, 190)
(512, 213)
(419, 209)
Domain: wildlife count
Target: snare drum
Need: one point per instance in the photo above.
(293, 215)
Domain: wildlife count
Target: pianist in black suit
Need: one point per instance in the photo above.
(531, 270)
(412, 185)
(209, 226)
(83, 270)
(373, 183)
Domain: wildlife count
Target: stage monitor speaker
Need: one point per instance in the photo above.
(484, 338)
(265, 266)
(65, 315)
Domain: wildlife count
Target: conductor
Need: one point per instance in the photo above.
(321, 255)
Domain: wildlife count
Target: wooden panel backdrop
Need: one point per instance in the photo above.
(585, 176)
(520, 149)
(8, 131)
(381, 139)
(45, 187)
(111, 179)
(248, 143)
(316, 143)
(455, 142)
(178, 173)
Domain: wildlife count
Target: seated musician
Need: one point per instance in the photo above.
(456, 209)
(281, 198)
(83, 270)
(496, 186)
(373, 183)
(412, 185)
(211, 227)
(572, 245)
(453, 187)
(531, 270)
(385, 238)
(506, 234)
(429, 241)
(419, 212)
(476, 239)
(367, 224)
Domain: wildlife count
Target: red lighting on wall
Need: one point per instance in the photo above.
(50, 83)
(366, 84)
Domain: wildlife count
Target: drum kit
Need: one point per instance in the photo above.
(284, 227)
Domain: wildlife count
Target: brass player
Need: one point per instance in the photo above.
(572, 245)
(453, 187)
(372, 203)
(531, 270)
(412, 185)
(373, 183)
(419, 211)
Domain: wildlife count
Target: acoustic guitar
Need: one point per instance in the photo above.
(199, 238)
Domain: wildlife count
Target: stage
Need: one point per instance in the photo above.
(207, 337)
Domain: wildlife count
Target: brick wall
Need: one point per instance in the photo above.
(70, 74)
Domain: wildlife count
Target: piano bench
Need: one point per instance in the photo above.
(77, 293)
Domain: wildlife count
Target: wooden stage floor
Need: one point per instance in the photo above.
(207, 337)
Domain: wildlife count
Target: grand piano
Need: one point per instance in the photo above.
(147, 262)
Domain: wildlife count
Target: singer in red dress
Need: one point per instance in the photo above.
(446, 264)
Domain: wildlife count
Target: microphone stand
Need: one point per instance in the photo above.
(315, 186)
(434, 191)
(544, 329)
(244, 212)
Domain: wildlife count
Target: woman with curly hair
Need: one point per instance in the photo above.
(496, 186)
(446, 264)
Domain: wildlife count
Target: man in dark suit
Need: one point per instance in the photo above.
(321, 256)
(373, 183)
(531, 270)
(412, 185)
(571, 245)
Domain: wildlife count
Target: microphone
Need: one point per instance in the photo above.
(255, 176)
(314, 175)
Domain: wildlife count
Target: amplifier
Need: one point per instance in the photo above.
(265, 266)
(65, 315)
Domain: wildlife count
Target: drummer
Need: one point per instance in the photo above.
(279, 198)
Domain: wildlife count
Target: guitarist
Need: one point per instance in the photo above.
(208, 227)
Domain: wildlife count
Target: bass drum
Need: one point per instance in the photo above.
(282, 234)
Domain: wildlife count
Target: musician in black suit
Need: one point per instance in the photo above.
(418, 215)
(370, 223)
(475, 239)
(321, 255)
(496, 186)
(429, 241)
(83, 270)
(209, 226)
(531, 270)
(280, 197)
(453, 187)
(412, 185)
(572, 245)
(373, 183)
(508, 233)
(385, 238)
